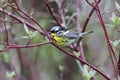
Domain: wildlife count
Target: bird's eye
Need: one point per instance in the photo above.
(54, 31)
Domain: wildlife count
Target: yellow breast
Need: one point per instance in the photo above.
(59, 40)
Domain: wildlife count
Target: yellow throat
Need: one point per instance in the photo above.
(59, 40)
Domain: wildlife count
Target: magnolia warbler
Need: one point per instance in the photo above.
(65, 37)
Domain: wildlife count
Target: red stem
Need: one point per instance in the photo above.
(86, 22)
(77, 15)
(79, 28)
(22, 46)
(62, 20)
(108, 39)
(6, 32)
(72, 55)
(28, 46)
(51, 12)
(46, 33)
(20, 20)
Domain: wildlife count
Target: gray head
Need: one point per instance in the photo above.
(55, 29)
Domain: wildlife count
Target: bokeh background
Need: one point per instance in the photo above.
(45, 62)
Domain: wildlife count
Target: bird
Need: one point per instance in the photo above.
(65, 37)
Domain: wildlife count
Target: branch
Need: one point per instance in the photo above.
(22, 46)
(51, 12)
(21, 20)
(6, 31)
(108, 40)
(86, 22)
(83, 61)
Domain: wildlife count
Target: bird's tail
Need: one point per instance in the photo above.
(84, 33)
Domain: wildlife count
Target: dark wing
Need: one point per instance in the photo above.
(68, 34)
(71, 34)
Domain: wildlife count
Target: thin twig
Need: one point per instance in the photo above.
(51, 12)
(6, 31)
(107, 39)
(72, 55)
(86, 22)
(22, 46)
(60, 10)
(21, 20)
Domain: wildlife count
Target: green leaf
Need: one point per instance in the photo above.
(6, 57)
(61, 68)
(117, 5)
(2, 1)
(91, 1)
(1, 46)
(25, 37)
(114, 19)
(31, 13)
(116, 42)
(76, 54)
(92, 73)
(26, 28)
(33, 34)
(88, 72)
(10, 74)
(86, 77)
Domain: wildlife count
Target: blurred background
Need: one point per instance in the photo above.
(47, 62)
